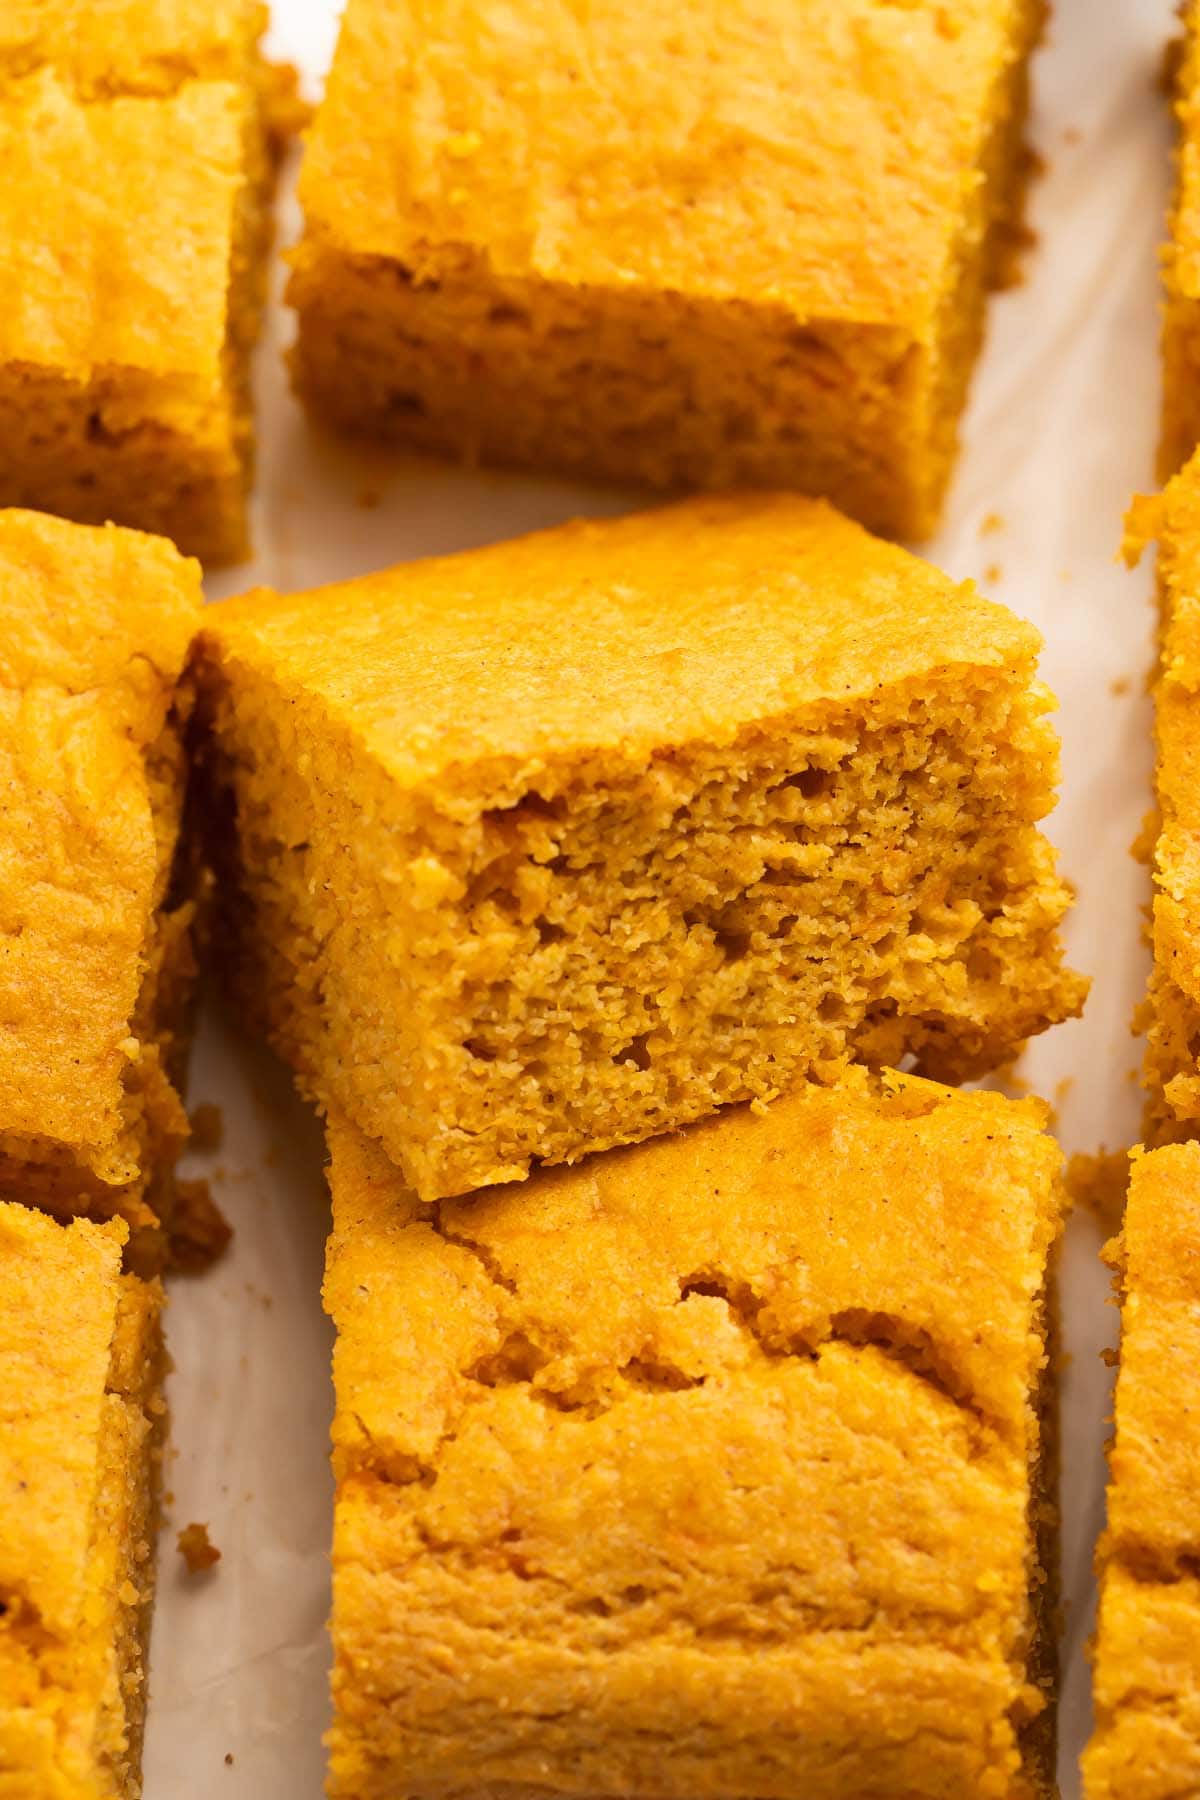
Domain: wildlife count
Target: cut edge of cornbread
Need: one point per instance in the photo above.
(1170, 1014)
(73, 1700)
(370, 1461)
(1145, 1743)
(1180, 430)
(120, 1158)
(449, 354)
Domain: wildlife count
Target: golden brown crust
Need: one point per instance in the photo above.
(751, 251)
(140, 139)
(590, 1433)
(735, 793)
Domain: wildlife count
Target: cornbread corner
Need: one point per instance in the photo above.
(543, 848)
(1181, 314)
(1171, 1015)
(723, 1464)
(81, 1418)
(1146, 1744)
(745, 246)
(95, 908)
(135, 176)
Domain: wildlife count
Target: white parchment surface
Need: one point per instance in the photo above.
(1059, 435)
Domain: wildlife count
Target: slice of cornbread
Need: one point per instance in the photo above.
(134, 182)
(715, 1466)
(740, 243)
(1171, 1015)
(95, 957)
(80, 1436)
(556, 845)
(1147, 1654)
(1181, 313)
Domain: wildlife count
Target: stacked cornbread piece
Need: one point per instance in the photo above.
(97, 906)
(745, 242)
(701, 815)
(135, 174)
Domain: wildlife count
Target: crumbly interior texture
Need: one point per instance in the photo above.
(542, 849)
(750, 252)
(1171, 1015)
(677, 1474)
(1181, 266)
(81, 1415)
(1147, 1654)
(96, 961)
(140, 136)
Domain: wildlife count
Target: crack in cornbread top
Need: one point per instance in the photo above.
(744, 1241)
(819, 157)
(95, 627)
(627, 635)
(702, 1468)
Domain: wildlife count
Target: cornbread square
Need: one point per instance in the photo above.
(1171, 1015)
(134, 183)
(81, 1415)
(1147, 1654)
(717, 1465)
(1181, 314)
(745, 243)
(95, 908)
(556, 845)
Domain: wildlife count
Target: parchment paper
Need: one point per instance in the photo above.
(1059, 435)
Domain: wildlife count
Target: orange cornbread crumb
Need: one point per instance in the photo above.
(1147, 1653)
(80, 1435)
(197, 1548)
(745, 246)
(680, 1472)
(582, 836)
(95, 919)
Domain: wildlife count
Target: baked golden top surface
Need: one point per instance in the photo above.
(116, 227)
(1154, 1500)
(624, 635)
(94, 627)
(808, 1213)
(127, 46)
(60, 1289)
(685, 1451)
(817, 156)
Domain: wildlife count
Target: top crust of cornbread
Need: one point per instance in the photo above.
(107, 47)
(1147, 1681)
(624, 636)
(151, 301)
(80, 1372)
(815, 157)
(94, 628)
(701, 1468)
